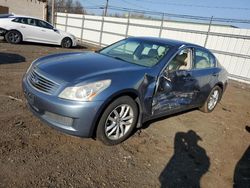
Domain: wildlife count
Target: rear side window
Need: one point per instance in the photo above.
(204, 59)
(31, 21)
(28, 21)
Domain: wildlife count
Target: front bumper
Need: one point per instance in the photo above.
(74, 42)
(75, 118)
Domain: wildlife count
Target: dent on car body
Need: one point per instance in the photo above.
(146, 89)
(173, 100)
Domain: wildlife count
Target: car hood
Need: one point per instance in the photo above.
(72, 67)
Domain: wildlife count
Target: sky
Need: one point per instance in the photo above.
(237, 9)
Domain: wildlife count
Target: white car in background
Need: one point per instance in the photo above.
(16, 29)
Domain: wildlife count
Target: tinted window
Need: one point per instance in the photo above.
(16, 20)
(203, 60)
(28, 21)
(44, 24)
(31, 21)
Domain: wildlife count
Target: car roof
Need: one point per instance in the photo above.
(171, 42)
(16, 16)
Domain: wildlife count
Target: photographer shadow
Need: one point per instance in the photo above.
(242, 169)
(188, 164)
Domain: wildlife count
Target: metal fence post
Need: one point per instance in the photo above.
(208, 31)
(161, 27)
(55, 19)
(101, 32)
(66, 22)
(53, 12)
(83, 20)
(128, 23)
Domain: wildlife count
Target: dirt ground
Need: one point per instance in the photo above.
(184, 150)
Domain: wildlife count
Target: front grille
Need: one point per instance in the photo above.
(41, 83)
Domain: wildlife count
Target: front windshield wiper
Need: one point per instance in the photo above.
(119, 58)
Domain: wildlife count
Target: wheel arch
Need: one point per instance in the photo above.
(221, 85)
(130, 93)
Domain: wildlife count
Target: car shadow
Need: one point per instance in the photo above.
(242, 169)
(188, 163)
(80, 46)
(53, 46)
(9, 58)
(146, 124)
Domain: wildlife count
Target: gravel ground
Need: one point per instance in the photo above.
(190, 149)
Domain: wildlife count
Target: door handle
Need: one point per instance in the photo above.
(23, 26)
(43, 30)
(215, 74)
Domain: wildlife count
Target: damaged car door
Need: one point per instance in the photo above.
(177, 87)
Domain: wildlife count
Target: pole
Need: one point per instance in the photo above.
(162, 22)
(52, 12)
(106, 8)
(208, 31)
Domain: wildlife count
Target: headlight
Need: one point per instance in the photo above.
(85, 92)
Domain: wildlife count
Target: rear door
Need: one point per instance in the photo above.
(28, 28)
(205, 72)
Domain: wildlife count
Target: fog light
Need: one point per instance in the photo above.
(67, 121)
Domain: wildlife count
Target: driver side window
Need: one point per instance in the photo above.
(182, 61)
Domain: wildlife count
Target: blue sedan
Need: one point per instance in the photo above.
(108, 93)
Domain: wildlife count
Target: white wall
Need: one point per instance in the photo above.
(32, 8)
(236, 64)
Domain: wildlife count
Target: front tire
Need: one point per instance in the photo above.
(118, 121)
(212, 100)
(67, 42)
(13, 37)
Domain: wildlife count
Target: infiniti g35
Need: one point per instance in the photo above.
(107, 94)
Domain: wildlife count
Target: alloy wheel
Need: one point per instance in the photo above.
(119, 122)
(67, 43)
(213, 100)
(14, 37)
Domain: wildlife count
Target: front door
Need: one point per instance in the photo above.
(47, 33)
(177, 88)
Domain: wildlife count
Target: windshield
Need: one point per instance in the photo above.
(140, 52)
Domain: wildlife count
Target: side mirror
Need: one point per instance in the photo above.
(165, 85)
(54, 29)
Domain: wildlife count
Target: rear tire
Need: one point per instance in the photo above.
(212, 100)
(13, 37)
(118, 121)
(67, 43)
